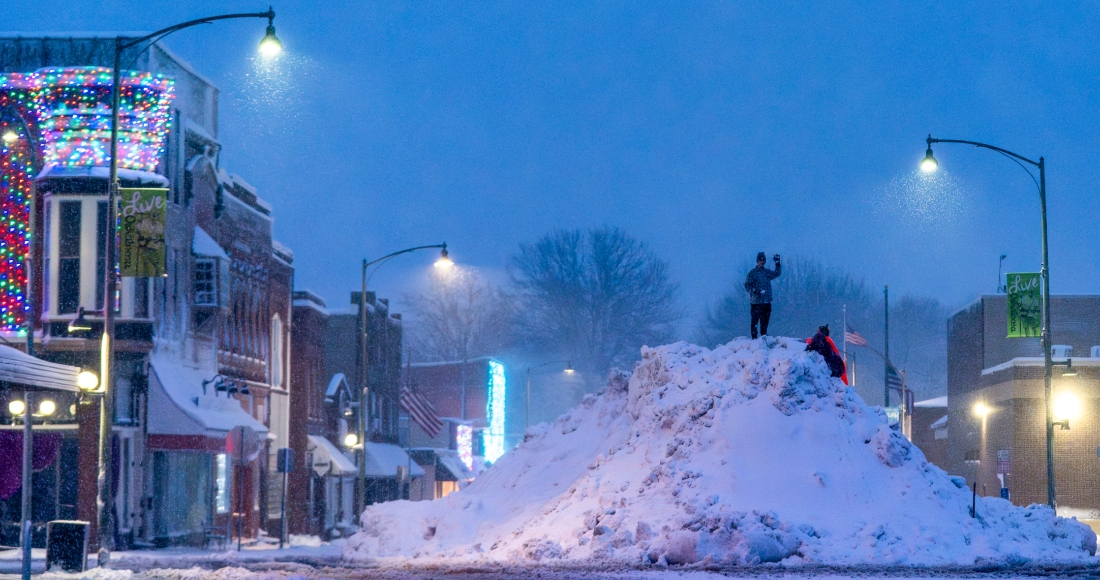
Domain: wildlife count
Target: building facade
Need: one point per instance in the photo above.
(327, 367)
(996, 408)
(201, 383)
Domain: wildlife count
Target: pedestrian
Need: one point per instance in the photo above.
(823, 345)
(759, 286)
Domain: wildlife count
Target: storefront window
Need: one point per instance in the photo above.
(221, 479)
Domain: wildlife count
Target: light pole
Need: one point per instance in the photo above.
(444, 261)
(527, 407)
(269, 46)
(928, 165)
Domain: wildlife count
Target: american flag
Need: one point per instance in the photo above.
(421, 410)
(852, 337)
(893, 378)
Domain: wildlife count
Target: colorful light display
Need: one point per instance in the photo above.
(73, 110)
(464, 441)
(16, 183)
(66, 113)
(493, 437)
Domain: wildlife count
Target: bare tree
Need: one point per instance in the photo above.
(592, 296)
(460, 316)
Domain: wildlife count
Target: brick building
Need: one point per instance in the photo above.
(326, 367)
(201, 353)
(996, 412)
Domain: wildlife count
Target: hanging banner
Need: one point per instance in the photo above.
(1025, 318)
(142, 216)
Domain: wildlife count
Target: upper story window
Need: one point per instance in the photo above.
(206, 282)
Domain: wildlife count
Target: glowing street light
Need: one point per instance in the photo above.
(981, 410)
(16, 408)
(1066, 406)
(87, 381)
(929, 164)
(444, 261)
(351, 440)
(270, 45)
(10, 137)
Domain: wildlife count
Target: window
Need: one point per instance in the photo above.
(100, 252)
(68, 257)
(141, 298)
(206, 282)
(276, 357)
(221, 480)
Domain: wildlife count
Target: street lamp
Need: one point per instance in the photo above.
(444, 261)
(928, 165)
(106, 346)
(527, 408)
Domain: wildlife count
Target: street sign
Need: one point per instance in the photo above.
(285, 460)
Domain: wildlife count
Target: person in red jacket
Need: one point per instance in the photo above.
(823, 345)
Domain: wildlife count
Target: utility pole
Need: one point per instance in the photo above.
(886, 373)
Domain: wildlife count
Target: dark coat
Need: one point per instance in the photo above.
(758, 283)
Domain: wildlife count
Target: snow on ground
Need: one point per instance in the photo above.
(746, 454)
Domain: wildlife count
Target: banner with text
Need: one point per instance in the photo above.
(142, 217)
(1025, 318)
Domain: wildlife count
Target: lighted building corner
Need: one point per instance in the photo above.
(201, 353)
(470, 399)
(996, 420)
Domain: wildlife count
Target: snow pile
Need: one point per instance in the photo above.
(745, 454)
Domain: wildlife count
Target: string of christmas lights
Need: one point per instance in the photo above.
(68, 110)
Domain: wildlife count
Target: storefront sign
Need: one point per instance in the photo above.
(1024, 305)
(142, 214)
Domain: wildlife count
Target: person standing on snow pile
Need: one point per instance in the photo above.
(823, 345)
(759, 286)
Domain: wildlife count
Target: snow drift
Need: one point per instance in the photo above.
(746, 454)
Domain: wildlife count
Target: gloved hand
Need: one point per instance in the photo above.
(776, 258)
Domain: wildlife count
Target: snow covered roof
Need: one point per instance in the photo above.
(937, 402)
(334, 385)
(281, 248)
(939, 423)
(383, 460)
(142, 177)
(451, 462)
(204, 245)
(1038, 361)
(202, 413)
(453, 362)
(327, 459)
(20, 368)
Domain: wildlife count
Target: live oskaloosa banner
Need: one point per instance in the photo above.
(1025, 318)
(142, 215)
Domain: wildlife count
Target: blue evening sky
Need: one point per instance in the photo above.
(710, 130)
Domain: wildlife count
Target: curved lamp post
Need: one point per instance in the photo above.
(444, 261)
(929, 165)
(527, 408)
(269, 46)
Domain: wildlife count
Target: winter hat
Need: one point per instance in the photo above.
(824, 329)
(761, 257)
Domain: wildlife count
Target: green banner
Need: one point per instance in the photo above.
(142, 216)
(1025, 318)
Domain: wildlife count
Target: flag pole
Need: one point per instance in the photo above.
(844, 335)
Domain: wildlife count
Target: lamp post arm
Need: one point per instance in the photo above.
(932, 140)
(270, 15)
(405, 251)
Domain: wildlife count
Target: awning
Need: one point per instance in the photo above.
(327, 459)
(450, 462)
(20, 368)
(204, 245)
(178, 404)
(383, 460)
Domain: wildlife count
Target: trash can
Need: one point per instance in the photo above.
(67, 545)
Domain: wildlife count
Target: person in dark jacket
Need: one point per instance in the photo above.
(823, 345)
(759, 286)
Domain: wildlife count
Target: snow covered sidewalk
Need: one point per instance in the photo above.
(747, 454)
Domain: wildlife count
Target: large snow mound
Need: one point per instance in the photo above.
(746, 454)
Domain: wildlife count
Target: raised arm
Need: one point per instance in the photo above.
(773, 274)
